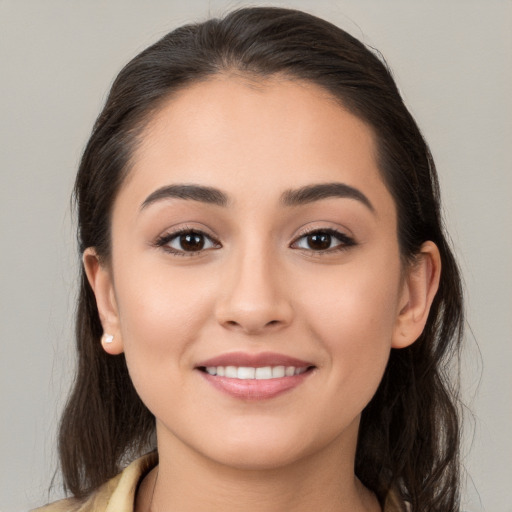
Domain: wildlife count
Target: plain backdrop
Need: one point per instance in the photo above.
(452, 61)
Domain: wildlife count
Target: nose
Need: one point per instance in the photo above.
(255, 297)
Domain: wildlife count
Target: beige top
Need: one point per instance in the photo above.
(118, 494)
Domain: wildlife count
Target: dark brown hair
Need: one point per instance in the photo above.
(409, 433)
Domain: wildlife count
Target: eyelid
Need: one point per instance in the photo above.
(164, 239)
(345, 240)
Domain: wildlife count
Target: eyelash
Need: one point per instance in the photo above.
(164, 240)
(344, 241)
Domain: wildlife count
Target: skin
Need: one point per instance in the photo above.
(258, 286)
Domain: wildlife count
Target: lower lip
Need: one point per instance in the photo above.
(255, 389)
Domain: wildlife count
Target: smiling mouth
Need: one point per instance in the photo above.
(260, 376)
(255, 373)
(255, 383)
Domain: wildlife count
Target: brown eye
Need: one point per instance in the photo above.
(187, 242)
(325, 240)
(319, 241)
(192, 241)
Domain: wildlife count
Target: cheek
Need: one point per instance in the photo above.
(356, 302)
(156, 300)
(161, 314)
(354, 321)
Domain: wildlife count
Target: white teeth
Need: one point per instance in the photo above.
(245, 373)
(231, 372)
(277, 371)
(261, 373)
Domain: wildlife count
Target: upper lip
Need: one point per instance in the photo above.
(254, 360)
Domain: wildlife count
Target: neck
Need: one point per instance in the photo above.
(186, 481)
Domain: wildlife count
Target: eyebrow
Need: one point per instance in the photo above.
(200, 193)
(297, 197)
(311, 193)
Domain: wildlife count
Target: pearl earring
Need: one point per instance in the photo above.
(107, 338)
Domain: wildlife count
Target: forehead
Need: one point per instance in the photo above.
(244, 135)
(229, 109)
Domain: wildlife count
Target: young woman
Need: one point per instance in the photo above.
(268, 301)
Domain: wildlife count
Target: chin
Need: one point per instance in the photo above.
(258, 457)
(263, 447)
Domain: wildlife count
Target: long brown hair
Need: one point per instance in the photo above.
(409, 433)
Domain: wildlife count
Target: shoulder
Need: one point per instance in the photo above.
(67, 505)
(116, 495)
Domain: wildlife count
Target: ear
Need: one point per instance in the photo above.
(100, 279)
(419, 289)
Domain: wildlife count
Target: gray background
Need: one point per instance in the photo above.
(452, 61)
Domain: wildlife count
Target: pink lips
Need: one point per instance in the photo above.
(253, 389)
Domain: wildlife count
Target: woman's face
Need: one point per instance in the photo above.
(254, 232)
